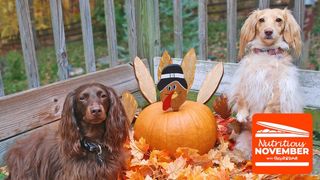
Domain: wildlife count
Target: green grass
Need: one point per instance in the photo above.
(2, 176)
(13, 69)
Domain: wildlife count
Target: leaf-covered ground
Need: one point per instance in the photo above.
(221, 162)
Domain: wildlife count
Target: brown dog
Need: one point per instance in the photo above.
(87, 145)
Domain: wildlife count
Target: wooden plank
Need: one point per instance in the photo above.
(5, 144)
(1, 86)
(263, 4)
(298, 12)
(59, 38)
(148, 32)
(309, 80)
(30, 109)
(27, 43)
(141, 24)
(178, 30)
(87, 36)
(203, 29)
(155, 43)
(111, 31)
(232, 30)
(154, 30)
(132, 28)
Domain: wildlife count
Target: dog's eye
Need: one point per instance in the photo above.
(82, 98)
(103, 96)
(278, 20)
(261, 20)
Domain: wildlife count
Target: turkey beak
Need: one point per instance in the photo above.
(175, 95)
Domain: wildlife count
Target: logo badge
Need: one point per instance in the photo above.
(282, 143)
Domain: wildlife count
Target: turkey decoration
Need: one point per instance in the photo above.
(174, 121)
(173, 87)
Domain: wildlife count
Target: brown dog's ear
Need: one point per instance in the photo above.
(116, 123)
(248, 32)
(291, 32)
(68, 129)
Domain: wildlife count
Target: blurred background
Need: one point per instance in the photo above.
(11, 59)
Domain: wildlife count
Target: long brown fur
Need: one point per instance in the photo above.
(58, 154)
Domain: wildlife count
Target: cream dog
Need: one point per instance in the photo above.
(266, 80)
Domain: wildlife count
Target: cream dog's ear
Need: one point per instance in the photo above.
(248, 31)
(291, 33)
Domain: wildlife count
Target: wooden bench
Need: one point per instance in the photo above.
(31, 110)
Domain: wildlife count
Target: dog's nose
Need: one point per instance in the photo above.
(268, 32)
(95, 110)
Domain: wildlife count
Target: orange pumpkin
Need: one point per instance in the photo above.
(193, 126)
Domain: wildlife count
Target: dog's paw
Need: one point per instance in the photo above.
(242, 116)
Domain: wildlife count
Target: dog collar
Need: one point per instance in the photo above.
(272, 52)
(94, 148)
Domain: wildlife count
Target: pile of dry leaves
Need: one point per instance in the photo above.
(221, 162)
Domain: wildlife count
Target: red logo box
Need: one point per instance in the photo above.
(282, 143)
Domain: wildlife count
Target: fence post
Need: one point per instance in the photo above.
(132, 28)
(87, 36)
(232, 30)
(1, 86)
(298, 12)
(203, 29)
(27, 43)
(263, 4)
(154, 26)
(59, 38)
(148, 30)
(111, 31)
(178, 30)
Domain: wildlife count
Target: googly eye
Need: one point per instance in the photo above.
(169, 88)
(261, 20)
(278, 19)
(174, 87)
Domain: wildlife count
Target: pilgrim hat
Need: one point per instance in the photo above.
(170, 73)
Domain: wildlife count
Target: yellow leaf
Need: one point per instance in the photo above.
(130, 105)
(139, 162)
(176, 167)
(131, 175)
(189, 66)
(215, 155)
(159, 156)
(186, 152)
(212, 173)
(165, 61)
(145, 80)
(223, 147)
(139, 148)
(195, 172)
(226, 163)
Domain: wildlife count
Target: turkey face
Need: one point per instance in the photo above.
(173, 96)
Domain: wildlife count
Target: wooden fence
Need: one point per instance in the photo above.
(24, 112)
